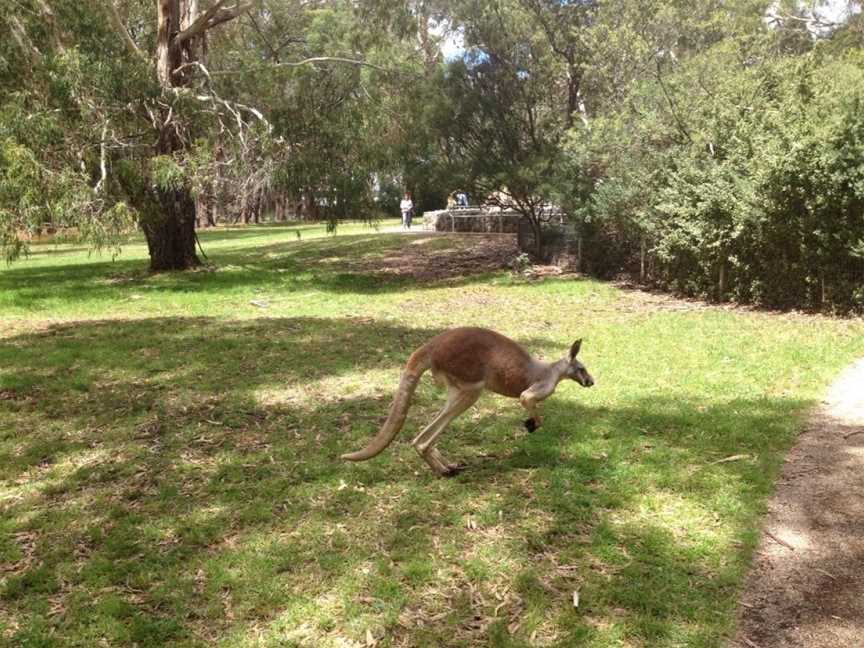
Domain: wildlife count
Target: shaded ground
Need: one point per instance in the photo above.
(806, 587)
(431, 257)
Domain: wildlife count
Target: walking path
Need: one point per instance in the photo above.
(806, 585)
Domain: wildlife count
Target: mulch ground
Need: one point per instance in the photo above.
(421, 259)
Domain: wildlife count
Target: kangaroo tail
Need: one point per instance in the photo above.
(417, 365)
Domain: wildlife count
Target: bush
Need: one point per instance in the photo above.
(754, 191)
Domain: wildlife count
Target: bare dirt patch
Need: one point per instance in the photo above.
(806, 585)
(423, 260)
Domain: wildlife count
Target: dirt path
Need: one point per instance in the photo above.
(806, 586)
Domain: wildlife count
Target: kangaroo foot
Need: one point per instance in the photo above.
(439, 464)
(453, 470)
(450, 468)
(531, 424)
(457, 467)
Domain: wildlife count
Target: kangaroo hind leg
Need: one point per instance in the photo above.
(458, 400)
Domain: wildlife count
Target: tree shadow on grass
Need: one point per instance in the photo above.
(159, 498)
(288, 229)
(656, 502)
(99, 372)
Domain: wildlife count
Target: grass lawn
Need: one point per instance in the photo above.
(169, 471)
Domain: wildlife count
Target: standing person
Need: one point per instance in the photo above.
(407, 209)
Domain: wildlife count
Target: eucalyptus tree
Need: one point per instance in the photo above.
(182, 29)
(118, 93)
(566, 27)
(507, 103)
(131, 110)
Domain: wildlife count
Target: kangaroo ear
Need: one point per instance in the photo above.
(574, 350)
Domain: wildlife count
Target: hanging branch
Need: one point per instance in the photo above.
(103, 166)
(306, 61)
(233, 107)
(120, 28)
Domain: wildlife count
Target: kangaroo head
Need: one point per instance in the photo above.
(576, 370)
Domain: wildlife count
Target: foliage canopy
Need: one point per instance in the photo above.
(713, 147)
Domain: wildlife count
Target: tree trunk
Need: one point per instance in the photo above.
(537, 229)
(171, 235)
(579, 251)
(171, 240)
(642, 260)
(538, 242)
(217, 194)
(200, 213)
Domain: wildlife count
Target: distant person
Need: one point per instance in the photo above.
(462, 199)
(451, 201)
(407, 209)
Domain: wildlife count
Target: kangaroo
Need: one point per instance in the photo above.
(468, 361)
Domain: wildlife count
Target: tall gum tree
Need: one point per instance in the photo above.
(182, 28)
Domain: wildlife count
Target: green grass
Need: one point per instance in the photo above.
(169, 471)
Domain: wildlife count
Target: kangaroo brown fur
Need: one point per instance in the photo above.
(468, 361)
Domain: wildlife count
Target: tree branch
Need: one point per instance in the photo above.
(51, 22)
(229, 14)
(306, 61)
(274, 52)
(103, 167)
(215, 15)
(811, 20)
(117, 22)
(200, 25)
(19, 34)
(672, 107)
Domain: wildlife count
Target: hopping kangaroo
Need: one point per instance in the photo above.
(468, 361)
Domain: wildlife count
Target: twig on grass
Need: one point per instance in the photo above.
(779, 541)
(732, 458)
(822, 571)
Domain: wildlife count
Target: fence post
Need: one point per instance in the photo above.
(642, 260)
(721, 287)
(579, 252)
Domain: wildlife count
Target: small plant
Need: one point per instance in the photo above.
(521, 263)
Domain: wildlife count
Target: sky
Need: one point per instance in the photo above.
(836, 10)
(454, 43)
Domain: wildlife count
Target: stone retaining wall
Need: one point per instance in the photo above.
(472, 220)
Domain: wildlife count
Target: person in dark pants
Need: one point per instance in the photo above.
(407, 209)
